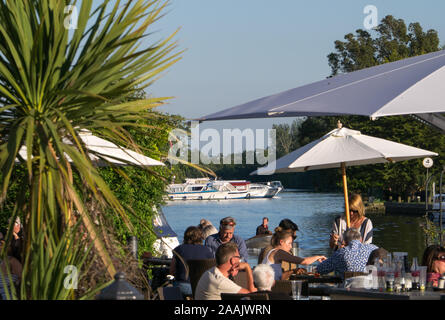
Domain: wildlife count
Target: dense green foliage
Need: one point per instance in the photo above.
(144, 188)
(55, 83)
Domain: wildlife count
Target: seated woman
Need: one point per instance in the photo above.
(281, 245)
(285, 225)
(358, 221)
(192, 248)
(434, 259)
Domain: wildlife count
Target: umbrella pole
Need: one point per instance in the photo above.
(345, 190)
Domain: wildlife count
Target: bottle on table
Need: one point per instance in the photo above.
(389, 274)
(381, 275)
(415, 274)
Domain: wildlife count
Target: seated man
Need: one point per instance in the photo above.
(264, 280)
(264, 227)
(225, 235)
(353, 257)
(216, 280)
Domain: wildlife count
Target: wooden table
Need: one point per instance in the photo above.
(316, 286)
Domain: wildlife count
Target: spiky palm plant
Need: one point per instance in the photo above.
(55, 82)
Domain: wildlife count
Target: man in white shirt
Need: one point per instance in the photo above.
(216, 280)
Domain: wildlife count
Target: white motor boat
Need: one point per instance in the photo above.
(206, 189)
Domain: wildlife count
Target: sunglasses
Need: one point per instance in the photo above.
(354, 211)
(230, 223)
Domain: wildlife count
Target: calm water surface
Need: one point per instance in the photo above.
(312, 212)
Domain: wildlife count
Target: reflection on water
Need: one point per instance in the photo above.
(312, 212)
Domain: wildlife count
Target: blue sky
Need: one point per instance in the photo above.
(239, 50)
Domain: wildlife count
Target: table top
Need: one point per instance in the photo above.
(375, 294)
(313, 279)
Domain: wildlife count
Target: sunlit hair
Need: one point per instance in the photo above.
(356, 203)
(208, 230)
(263, 277)
(280, 234)
(225, 252)
(193, 235)
(430, 255)
(227, 223)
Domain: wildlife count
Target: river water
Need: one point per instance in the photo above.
(312, 212)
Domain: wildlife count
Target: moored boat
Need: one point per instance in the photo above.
(206, 189)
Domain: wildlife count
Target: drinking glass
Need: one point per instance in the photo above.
(296, 289)
(422, 277)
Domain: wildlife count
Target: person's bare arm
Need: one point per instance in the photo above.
(310, 260)
(333, 240)
(250, 285)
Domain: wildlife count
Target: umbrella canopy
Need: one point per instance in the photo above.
(409, 86)
(340, 148)
(102, 152)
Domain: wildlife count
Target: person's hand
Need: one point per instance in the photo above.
(321, 258)
(334, 238)
(243, 266)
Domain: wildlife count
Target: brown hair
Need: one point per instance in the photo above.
(280, 234)
(356, 203)
(378, 253)
(430, 255)
(193, 235)
(225, 252)
(227, 223)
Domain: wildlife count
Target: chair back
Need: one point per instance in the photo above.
(196, 268)
(170, 293)
(283, 286)
(241, 279)
(244, 296)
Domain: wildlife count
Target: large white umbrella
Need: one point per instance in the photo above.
(102, 152)
(343, 147)
(409, 86)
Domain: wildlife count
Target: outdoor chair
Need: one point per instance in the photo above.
(244, 296)
(285, 286)
(241, 279)
(196, 268)
(170, 293)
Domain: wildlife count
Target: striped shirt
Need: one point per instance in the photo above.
(366, 229)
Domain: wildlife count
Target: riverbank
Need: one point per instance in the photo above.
(397, 208)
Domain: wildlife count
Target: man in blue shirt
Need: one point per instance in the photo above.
(225, 235)
(353, 257)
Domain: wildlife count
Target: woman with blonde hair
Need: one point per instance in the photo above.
(358, 221)
(281, 245)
